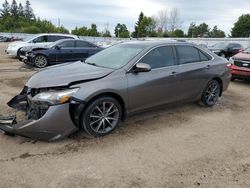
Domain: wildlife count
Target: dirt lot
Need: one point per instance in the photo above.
(187, 146)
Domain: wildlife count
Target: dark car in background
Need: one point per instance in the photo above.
(121, 80)
(62, 51)
(226, 50)
(240, 65)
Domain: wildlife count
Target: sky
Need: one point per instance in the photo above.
(71, 13)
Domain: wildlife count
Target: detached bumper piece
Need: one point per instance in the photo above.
(50, 124)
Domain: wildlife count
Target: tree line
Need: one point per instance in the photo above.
(16, 17)
(21, 18)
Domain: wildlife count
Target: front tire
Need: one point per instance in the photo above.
(101, 116)
(40, 61)
(211, 93)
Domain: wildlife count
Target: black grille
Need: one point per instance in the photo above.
(245, 64)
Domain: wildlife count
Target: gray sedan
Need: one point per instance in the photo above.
(124, 79)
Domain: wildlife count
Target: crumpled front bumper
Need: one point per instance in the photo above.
(55, 124)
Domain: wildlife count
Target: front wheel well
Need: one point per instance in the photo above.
(76, 109)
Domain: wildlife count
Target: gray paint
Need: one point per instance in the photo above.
(139, 91)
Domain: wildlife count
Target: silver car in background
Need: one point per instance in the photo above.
(124, 79)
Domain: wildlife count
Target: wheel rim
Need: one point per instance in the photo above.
(41, 61)
(104, 117)
(212, 93)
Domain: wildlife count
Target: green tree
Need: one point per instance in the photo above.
(201, 30)
(5, 11)
(14, 9)
(192, 30)
(217, 33)
(82, 31)
(93, 31)
(177, 33)
(136, 33)
(28, 11)
(20, 10)
(62, 29)
(147, 27)
(121, 31)
(242, 26)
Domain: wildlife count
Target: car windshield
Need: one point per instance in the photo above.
(116, 56)
(220, 45)
(28, 39)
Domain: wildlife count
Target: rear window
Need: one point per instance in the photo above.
(190, 54)
(67, 44)
(84, 44)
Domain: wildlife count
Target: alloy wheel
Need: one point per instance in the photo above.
(41, 61)
(104, 117)
(212, 93)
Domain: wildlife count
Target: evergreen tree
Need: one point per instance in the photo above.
(14, 9)
(20, 10)
(136, 33)
(28, 11)
(5, 11)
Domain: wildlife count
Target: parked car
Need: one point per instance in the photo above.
(226, 50)
(62, 51)
(41, 40)
(240, 65)
(124, 79)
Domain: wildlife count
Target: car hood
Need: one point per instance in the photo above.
(67, 74)
(242, 56)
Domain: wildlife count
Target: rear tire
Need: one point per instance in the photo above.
(222, 54)
(101, 116)
(211, 93)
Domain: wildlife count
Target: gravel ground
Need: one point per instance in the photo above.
(184, 146)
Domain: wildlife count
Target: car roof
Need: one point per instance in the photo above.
(62, 40)
(56, 34)
(157, 43)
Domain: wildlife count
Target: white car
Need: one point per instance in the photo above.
(40, 40)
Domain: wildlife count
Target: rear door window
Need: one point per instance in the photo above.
(84, 44)
(160, 57)
(187, 54)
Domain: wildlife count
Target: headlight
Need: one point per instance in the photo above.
(231, 60)
(55, 97)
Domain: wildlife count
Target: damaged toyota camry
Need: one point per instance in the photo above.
(97, 94)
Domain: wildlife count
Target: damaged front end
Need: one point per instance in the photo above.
(47, 114)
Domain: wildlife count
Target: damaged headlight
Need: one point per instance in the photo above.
(55, 97)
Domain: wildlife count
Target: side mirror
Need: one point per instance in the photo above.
(142, 67)
(57, 47)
